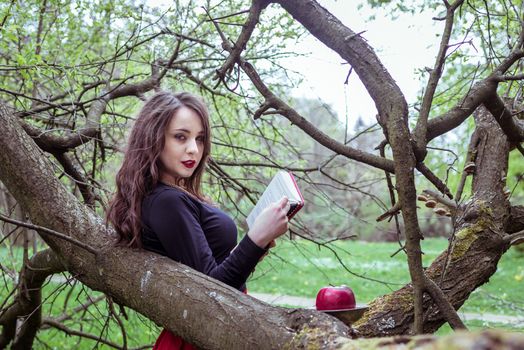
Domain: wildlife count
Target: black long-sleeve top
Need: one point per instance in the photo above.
(197, 234)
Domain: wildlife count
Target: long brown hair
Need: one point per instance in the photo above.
(140, 173)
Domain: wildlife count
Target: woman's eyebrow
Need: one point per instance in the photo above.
(187, 131)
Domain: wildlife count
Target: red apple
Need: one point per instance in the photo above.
(335, 298)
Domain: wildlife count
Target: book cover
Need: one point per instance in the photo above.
(282, 184)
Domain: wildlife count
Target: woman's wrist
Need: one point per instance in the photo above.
(258, 239)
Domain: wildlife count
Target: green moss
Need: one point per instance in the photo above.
(311, 337)
(402, 299)
(463, 240)
(468, 235)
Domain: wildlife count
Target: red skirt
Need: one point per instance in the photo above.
(168, 341)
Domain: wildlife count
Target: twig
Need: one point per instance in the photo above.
(434, 77)
(441, 186)
(70, 331)
(449, 313)
(452, 205)
(68, 316)
(247, 30)
(51, 232)
(392, 211)
(515, 238)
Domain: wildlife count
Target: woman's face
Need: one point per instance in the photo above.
(183, 146)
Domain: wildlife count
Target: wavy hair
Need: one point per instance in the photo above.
(140, 170)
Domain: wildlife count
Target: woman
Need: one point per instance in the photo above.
(159, 204)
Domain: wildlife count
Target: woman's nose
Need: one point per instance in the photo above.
(192, 146)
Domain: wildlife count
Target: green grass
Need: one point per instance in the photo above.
(60, 298)
(297, 268)
(301, 268)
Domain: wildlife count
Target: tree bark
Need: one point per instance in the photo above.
(476, 247)
(202, 310)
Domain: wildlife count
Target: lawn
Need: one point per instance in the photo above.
(301, 268)
(297, 268)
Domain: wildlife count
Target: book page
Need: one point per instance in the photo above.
(281, 185)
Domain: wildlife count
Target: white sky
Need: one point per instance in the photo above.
(404, 44)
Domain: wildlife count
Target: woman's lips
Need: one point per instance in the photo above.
(189, 163)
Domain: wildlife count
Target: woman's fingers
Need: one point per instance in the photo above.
(284, 204)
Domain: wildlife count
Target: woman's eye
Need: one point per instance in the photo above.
(200, 139)
(180, 137)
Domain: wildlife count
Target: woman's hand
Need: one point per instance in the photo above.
(270, 224)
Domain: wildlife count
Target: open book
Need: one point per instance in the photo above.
(282, 184)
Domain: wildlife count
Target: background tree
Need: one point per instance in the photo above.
(74, 76)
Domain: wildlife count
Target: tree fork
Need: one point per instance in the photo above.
(168, 293)
(474, 254)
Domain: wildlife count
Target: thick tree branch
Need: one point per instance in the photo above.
(515, 238)
(514, 77)
(355, 50)
(54, 143)
(479, 243)
(181, 295)
(461, 111)
(448, 311)
(393, 112)
(513, 128)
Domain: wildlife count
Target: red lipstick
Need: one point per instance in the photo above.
(189, 163)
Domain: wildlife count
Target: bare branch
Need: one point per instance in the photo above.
(74, 332)
(354, 49)
(434, 77)
(441, 186)
(515, 238)
(69, 315)
(247, 30)
(309, 128)
(514, 77)
(83, 185)
(51, 232)
(452, 205)
(449, 313)
(392, 211)
(27, 305)
(478, 93)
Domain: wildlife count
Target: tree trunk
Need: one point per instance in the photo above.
(476, 246)
(202, 310)
(212, 315)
